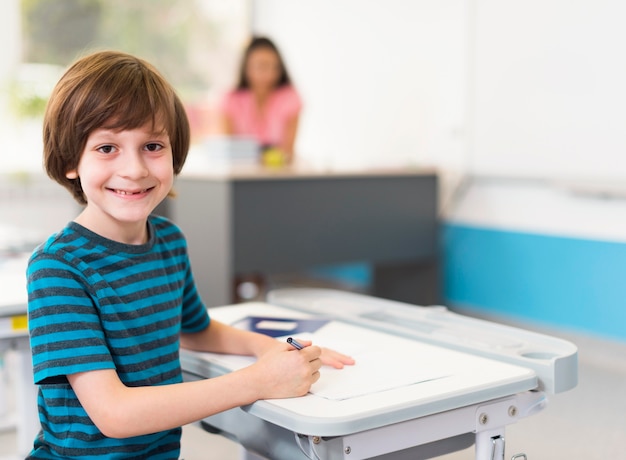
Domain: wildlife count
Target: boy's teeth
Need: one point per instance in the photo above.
(124, 192)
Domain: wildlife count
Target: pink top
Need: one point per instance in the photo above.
(268, 126)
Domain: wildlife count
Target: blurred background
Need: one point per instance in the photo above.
(520, 108)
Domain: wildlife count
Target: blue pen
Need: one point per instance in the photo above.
(294, 343)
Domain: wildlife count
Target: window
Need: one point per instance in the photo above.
(196, 44)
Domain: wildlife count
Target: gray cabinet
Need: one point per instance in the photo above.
(279, 222)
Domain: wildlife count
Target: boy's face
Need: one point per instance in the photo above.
(124, 175)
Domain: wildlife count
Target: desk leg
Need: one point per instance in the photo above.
(6, 417)
(490, 444)
(247, 455)
(26, 401)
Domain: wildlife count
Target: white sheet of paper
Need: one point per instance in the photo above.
(372, 373)
(375, 370)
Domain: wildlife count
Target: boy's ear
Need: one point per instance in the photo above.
(72, 174)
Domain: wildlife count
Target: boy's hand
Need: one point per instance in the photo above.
(285, 372)
(335, 359)
(331, 357)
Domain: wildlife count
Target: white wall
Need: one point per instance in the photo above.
(383, 82)
(549, 88)
(540, 207)
(502, 87)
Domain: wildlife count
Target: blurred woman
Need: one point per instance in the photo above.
(264, 104)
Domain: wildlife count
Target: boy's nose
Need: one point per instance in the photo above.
(134, 166)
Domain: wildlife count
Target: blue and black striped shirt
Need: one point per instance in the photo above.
(98, 304)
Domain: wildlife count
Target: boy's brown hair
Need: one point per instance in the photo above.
(110, 90)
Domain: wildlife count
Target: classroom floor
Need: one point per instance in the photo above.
(587, 423)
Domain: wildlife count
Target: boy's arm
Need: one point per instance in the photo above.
(280, 372)
(223, 338)
(120, 411)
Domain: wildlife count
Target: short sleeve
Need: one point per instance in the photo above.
(65, 331)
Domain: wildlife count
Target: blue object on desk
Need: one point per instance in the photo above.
(278, 327)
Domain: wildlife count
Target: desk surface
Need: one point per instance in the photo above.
(13, 298)
(466, 379)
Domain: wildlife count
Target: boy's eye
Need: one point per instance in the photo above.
(106, 149)
(153, 147)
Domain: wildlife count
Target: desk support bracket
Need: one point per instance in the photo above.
(486, 421)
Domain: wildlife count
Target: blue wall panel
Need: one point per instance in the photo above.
(566, 282)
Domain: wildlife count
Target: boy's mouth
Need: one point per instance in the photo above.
(128, 192)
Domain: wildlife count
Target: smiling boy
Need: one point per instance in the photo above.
(112, 296)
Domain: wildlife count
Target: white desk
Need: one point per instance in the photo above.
(488, 377)
(14, 338)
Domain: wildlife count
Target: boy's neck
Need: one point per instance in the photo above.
(135, 233)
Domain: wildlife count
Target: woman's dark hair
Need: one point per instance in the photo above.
(260, 43)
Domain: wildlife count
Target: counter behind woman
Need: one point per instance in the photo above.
(264, 103)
